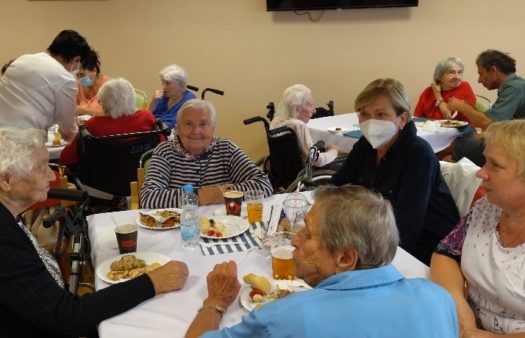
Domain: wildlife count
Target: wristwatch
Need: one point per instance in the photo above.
(438, 102)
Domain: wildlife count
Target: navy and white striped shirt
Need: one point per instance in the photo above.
(171, 168)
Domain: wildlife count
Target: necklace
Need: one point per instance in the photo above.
(504, 237)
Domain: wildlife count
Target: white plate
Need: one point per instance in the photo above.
(336, 129)
(158, 227)
(149, 257)
(233, 226)
(222, 211)
(294, 285)
(452, 123)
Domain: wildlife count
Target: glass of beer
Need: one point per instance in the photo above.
(253, 199)
(283, 265)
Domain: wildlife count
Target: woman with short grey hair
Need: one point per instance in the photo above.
(168, 100)
(370, 228)
(448, 83)
(117, 98)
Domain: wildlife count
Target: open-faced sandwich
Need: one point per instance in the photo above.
(129, 266)
(160, 218)
(262, 290)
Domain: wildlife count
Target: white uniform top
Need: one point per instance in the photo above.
(36, 91)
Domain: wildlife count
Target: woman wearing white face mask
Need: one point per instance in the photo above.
(392, 159)
(89, 82)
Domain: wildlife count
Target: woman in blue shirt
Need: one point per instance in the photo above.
(168, 100)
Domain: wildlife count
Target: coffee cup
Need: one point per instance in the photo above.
(233, 202)
(126, 238)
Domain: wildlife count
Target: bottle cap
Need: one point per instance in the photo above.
(188, 188)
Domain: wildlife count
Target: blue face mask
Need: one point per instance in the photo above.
(86, 81)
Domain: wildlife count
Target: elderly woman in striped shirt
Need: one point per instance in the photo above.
(212, 164)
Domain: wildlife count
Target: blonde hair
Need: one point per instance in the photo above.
(393, 89)
(509, 138)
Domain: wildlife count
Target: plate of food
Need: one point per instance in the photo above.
(127, 266)
(162, 219)
(261, 291)
(336, 129)
(452, 123)
(218, 227)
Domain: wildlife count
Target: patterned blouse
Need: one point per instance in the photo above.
(494, 273)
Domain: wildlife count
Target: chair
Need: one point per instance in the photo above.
(285, 165)
(136, 186)
(482, 103)
(141, 99)
(462, 182)
(108, 163)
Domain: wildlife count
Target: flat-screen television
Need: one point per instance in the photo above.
(302, 5)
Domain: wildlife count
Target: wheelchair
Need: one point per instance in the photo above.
(73, 248)
(285, 165)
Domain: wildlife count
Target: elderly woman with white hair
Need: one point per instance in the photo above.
(117, 98)
(295, 110)
(33, 301)
(447, 84)
(168, 100)
(195, 156)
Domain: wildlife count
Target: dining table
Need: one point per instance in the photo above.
(343, 131)
(170, 314)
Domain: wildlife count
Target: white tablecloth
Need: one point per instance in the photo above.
(319, 130)
(169, 315)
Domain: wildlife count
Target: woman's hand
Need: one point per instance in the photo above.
(169, 277)
(436, 88)
(213, 194)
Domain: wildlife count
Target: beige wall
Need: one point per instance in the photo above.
(251, 54)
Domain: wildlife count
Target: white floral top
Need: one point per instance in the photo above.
(495, 274)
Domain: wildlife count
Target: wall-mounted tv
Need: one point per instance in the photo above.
(303, 5)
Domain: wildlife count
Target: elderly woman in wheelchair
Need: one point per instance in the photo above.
(117, 98)
(195, 156)
(33, 300)
(295, 110)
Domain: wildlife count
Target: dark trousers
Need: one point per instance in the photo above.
(470, 147)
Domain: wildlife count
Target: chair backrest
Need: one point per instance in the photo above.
(482, 103)
(109, 163)
(141, 99)
(462, 182)
(286, 159)
(323, 112)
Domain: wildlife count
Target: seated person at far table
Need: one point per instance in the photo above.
(486, 250)
(117, 98)
(167, 101)
(195, 156)
(89, 82)
(391, 159)
(447, 83)
(295, 110)
(33, 301)
(344, 252)
(497, 70)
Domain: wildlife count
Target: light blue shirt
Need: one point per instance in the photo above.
(169, 115)
(363, 303)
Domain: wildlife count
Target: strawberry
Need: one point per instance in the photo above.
(211, 232)
(218, 234)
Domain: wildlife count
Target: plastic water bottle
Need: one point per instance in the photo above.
(189, 220)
